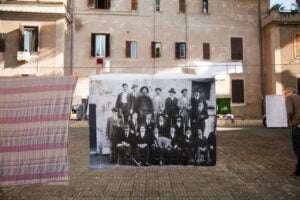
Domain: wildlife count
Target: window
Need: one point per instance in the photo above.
(206, 51)
(157, 5)
(298, 83)
(102, 4)
(237, 91)
(236, 48)
(130, 49)
(100, 45)
(2, 42)
(180, 50)
(155, 49)
(205, 6)
(133, 4)
(297, 44)
(29, 38)
(182, 6)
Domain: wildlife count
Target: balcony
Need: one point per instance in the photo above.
(282, 18)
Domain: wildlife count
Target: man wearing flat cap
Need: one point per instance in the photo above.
(144, 104)
(171, 108)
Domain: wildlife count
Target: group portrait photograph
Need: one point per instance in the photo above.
(144, 120)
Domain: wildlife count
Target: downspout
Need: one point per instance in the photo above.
(154, 61)
(72, 37)
(262, 85)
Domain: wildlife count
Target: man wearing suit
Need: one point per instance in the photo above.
(162, 126)
(124, 103)
(158, 104)
(144, 103)
(171, 108)
(175, 149)
(144, 142)
(149, 124)
(135, 94)
(113, 128)
(197, 98)
(126, 145)
(133, 124)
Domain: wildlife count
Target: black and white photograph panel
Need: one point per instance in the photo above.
(145, 120)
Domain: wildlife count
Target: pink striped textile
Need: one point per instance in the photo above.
(34, 126)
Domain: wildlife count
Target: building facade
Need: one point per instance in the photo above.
(178, 36)
(35, 38)
(281, 31)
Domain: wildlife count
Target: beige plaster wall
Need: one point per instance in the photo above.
(224, 20)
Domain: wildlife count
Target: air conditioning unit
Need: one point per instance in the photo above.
(23, 56)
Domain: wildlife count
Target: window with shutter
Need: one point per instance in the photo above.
(182, 6)
(205, 6)
(133, 4)
(155, 49)
(102, 4)
(237, 91)
(100, 45)
(236, 48)
(206, 51)
(2, 42)
(130, 49)
(157, 5)
(180, 50)
(29, 38)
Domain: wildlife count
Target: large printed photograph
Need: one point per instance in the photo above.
(144, 120)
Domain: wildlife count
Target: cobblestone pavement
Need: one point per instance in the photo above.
(252, 163)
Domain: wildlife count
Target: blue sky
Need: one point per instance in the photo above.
(285, 3)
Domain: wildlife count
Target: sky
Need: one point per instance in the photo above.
(285, 3)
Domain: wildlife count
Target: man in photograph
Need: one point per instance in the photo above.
(162, 126)
(144, 141)
(188, 144)
(133, 124)
(201, 148)
(158, 104)
(174, 150)
(171, 108)
(126, 146)
(135, 94)
(113, 129)
(149, 124)
(184, 104)
(144, 103)
(124, 103)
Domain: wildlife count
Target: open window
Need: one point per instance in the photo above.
(155, 49)
(204, 6)
(29, 40)
(180, 50)
(100, 45)
(131, 49)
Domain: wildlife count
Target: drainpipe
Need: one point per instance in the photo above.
(72, 36)
(154, 61)
(262, 85)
